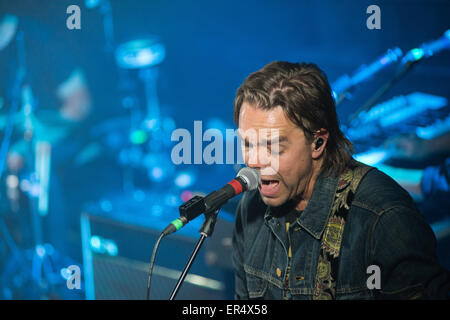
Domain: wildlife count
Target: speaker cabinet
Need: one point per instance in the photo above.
(116, 256)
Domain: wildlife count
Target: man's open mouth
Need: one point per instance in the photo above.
(269, 188)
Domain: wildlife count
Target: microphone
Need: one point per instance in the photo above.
(345, 83)
(365, 72)
(246, 179)
(428, 49)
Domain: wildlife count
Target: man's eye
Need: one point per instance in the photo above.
(276, 152)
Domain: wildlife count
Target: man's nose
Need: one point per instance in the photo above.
(258, 159)
(265, 162)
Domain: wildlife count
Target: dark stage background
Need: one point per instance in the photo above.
(87, 175)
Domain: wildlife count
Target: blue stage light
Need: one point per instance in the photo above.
(335, 96)
(111, 248)
(159, 167)
(65, 273)
(157, 173)
(101, 245)
(184, 179)
(40, 251)
(95, 243)
(141, 53)
(413, 55)
(372, 157)
(91, 4)
(106, 205)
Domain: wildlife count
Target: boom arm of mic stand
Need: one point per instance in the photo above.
(382, 90)
(205, 231)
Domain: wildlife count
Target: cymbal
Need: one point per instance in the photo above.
(47, 125)
(140, 53)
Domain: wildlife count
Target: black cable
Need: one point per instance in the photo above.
(152, 262)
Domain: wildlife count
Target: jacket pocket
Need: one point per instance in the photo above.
(413, 292)
(256, 284)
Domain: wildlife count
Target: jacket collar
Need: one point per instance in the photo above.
(315, 216)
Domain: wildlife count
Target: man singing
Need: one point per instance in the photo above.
(321, 225)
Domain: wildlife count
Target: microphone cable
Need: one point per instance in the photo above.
(247, 179)
(152, 262)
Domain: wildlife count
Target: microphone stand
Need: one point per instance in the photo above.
(383, 89)
(205, 231)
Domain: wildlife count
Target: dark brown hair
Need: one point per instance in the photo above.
(303, 91)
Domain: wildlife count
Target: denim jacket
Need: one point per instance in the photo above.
(387, 250)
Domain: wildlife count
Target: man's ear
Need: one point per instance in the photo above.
(319, 143)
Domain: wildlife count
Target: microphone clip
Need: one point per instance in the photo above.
(192, 208)
(207, 228)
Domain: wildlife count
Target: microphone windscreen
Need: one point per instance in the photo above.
(250, 176)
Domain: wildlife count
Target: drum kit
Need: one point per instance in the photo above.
(29, 267)
(140, 140)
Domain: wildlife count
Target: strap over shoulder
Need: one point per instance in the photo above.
(327, 266)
